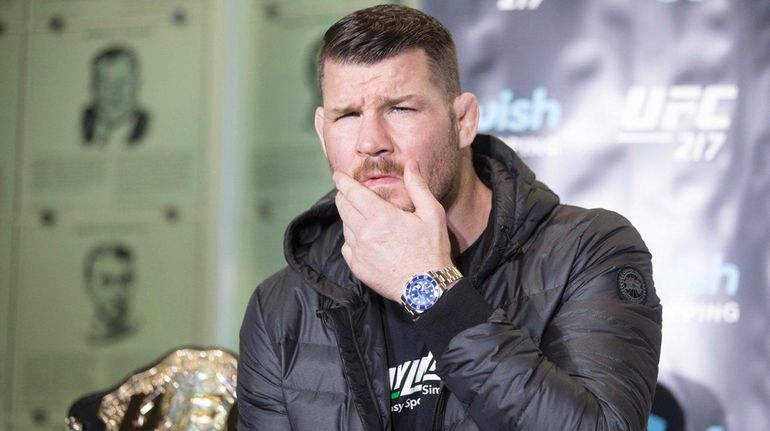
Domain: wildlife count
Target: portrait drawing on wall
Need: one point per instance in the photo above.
(109, 275)
(114, 114)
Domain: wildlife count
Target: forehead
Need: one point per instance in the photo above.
(115, 66)
(110, 263)
(405, 73)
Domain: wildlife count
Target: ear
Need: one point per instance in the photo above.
(466, 108)
(319, 127)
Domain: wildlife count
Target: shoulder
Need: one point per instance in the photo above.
(599, 229)
(280, 290)
(279, 303)
(580, 246)
(570, 229)
(587, 220)
(580, 229)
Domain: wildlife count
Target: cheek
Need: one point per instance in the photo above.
(340, 142)
(409, 128)
(445, 162)
(339, 159)
(420, 129)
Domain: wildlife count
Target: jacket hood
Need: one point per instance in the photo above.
(519, 204)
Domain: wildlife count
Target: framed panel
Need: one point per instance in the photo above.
(110, 187)
(10, 46)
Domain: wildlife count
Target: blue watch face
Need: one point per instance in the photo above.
(421, 292)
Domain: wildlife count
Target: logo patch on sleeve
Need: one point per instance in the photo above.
(631, 286)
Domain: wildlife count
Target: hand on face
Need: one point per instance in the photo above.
(385, 245)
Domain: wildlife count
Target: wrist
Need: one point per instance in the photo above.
(425, 289)
(451, 285)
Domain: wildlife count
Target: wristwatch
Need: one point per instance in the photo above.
(424, 290)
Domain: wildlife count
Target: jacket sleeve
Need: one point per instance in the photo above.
(595, 367)
(260, 397)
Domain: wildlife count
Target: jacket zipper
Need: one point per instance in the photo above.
(438, 411)
(363, 367)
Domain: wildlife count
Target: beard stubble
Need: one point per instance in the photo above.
(440, 173)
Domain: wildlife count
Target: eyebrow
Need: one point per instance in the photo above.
(387, 101)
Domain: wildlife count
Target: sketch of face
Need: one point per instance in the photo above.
(110, 288)
(116, 86)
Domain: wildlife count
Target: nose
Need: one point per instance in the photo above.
(373, 138)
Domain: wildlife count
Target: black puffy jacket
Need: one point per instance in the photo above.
(570, 341)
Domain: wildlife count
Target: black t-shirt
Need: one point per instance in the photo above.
(414, 384)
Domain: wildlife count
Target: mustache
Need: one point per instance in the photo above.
(378, 167)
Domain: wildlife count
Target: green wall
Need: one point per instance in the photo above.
(226, 157)
(10, 44)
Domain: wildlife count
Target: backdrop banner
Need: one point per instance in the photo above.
(657, 109)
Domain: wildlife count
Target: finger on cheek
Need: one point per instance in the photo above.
(343, 206)
(339, 201)
(347, 253)
(350, 237)
(350, 216)
(412, 167)
(336, 176)
(343, 182)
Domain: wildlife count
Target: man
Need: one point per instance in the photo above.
(114, 115)
(109, 275)
(441, 286)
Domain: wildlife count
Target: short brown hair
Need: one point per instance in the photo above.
(370, 35)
